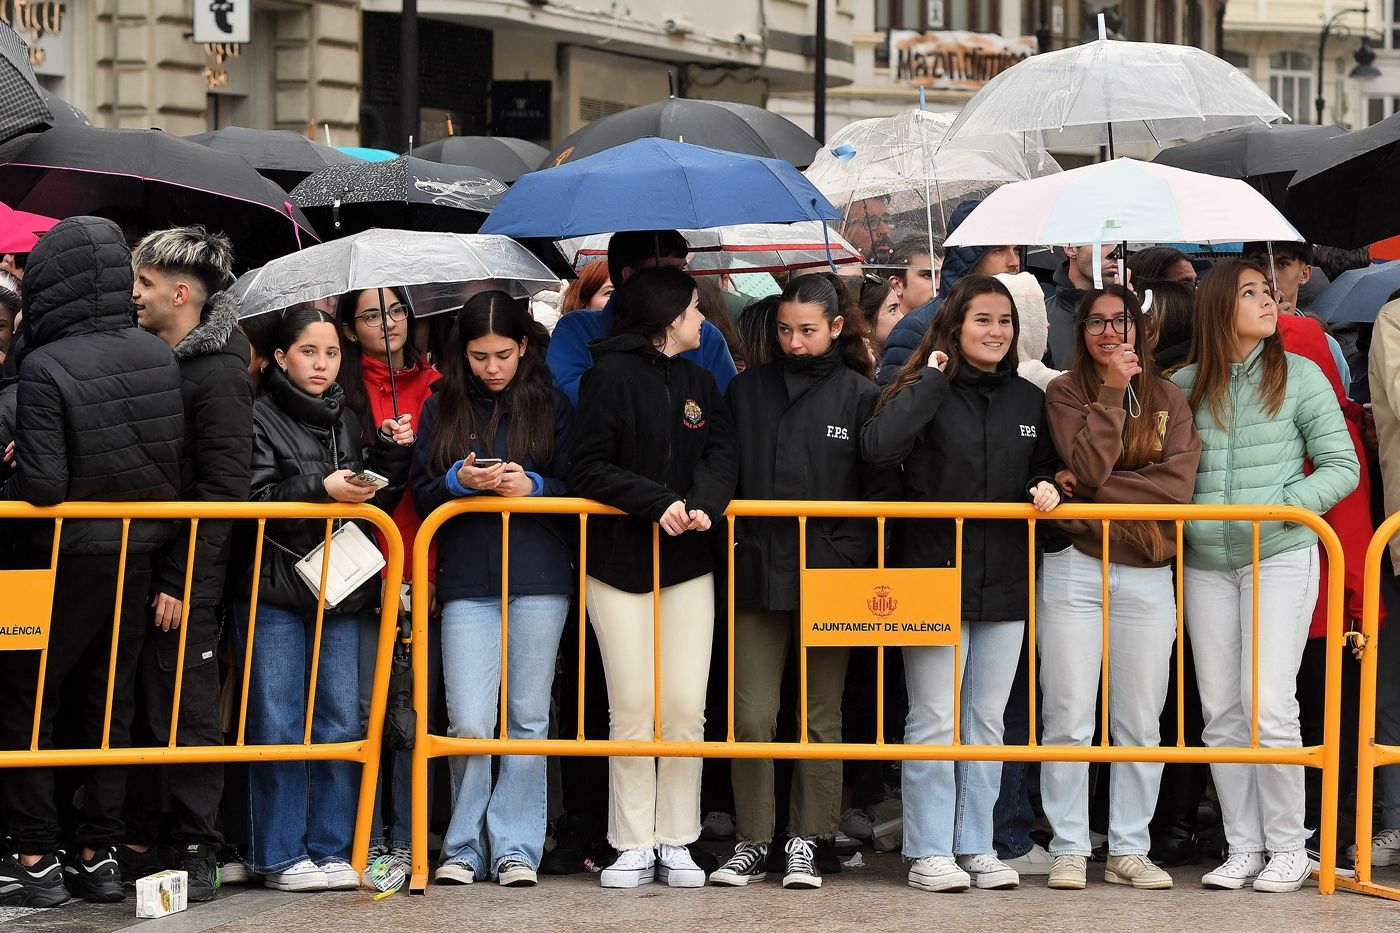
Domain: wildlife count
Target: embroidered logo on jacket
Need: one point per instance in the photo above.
(838, 432)
(1028, 430)
(691, 415)
(1161, 417)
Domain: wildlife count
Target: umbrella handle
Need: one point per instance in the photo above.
(826, 241)
(296, 229)
(388, 353)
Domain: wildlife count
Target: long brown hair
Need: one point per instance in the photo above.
(528, 398)
(1142, 444)
(1213, 343)
(826, 290)
(945, 333)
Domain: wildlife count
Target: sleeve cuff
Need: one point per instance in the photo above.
(453, 486)
(536, 483)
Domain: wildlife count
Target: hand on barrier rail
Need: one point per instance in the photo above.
(399, 430)
(677, 519)
(168, 611)
(1044, 496)
(341, 489)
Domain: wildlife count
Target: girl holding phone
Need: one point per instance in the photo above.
(307, 447)
(496, 426)
(965, 428)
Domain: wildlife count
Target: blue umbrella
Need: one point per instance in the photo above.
(1357, 295)
(656, 184)
(369, 155)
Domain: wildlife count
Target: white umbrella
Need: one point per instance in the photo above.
(902, 161)
(1120, 201)
(740, 248)
(437, 271)
(1098, 92)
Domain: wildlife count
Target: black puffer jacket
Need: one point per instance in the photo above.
(650, 430)
(981, 437)
(299, 440)
(799, 421)
(99, 415)
(217, 461)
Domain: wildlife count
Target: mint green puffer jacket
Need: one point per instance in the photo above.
(1259, 460)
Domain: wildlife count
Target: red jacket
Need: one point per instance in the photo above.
(1350, 518)
(413, 386)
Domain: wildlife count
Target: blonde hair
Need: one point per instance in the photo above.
(192, 251)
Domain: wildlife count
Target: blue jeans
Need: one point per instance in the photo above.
(1013, 818)
(948, 807)
(507, 821)
(299, 809)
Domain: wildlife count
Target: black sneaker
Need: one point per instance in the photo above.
(136, 865)
(802, 870)
(203, 868)
(97, 880)
(39, 885)
(748, 864)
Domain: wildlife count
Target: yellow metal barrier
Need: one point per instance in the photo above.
(1370, 755)
(29, 599)
(1324, 756)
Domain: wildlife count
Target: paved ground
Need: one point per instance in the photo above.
(874, 897)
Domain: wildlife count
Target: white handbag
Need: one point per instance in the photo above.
(354, 559)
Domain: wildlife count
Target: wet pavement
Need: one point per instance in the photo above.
(873, 897)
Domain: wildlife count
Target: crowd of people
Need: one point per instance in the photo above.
(131, 377)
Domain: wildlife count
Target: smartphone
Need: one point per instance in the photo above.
(370, 478)
(483, 463)
(406, 597)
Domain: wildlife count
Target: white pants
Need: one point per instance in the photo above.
(1262, 805)
(651, 802)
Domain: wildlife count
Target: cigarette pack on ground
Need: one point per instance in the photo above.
(161, 894)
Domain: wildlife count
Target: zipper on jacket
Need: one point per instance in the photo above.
(666, 378)
(1230, 465)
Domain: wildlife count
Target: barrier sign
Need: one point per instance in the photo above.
(881, 607)
(28, 605)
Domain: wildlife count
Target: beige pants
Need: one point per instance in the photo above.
(651, 802)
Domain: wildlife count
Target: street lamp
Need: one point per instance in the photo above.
(1364, 56)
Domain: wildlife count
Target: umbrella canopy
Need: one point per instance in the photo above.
(1341, 194)
(285, 157)
(1146, 91)
(64, 113)
(148, 180)
(22, 105)
(656, 184)
(715, 124)
(20, 230)
(740, 248)
(1357, 294)
(439, 271)
(366, 154)
(1264, 156)
(405, 194)
(892, 176)
(503, 156)
(1123, 201)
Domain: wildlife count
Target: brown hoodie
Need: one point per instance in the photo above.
(1088, 435)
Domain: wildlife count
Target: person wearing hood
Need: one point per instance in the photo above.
(1035, 327)
(99, 417)
(179, 274)
(497, 400)
(654, 439)
(1072, 279)
(799, 419)
(958, 261)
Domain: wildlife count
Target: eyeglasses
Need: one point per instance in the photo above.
(1095, 326)
(373, 317)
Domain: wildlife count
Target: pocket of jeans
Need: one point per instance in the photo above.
(1056, 568)
(197, 654)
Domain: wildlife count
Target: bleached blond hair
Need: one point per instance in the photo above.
(192, 251)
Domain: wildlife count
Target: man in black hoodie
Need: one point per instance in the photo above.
(98, 417)
(179, 276)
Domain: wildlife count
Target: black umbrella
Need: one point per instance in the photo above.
(64, 113)
(22, 106)
(1343, 194)
(282, 155)
(1264, 156)
(716, 124)
(503, 156)
(403, 194)
(147, 180)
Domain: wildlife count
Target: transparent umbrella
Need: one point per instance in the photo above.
(1101, 92)
(894, 176)
(740, 248)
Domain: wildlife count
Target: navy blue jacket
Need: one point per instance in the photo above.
(469, 546)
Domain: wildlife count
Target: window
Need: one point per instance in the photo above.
(1239, 59)
(1378, 108)
(1290, 84)
(1392, 30)
(902, 14)
(973, 15)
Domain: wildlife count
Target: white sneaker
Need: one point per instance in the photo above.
(1385, 845)
(1035, 862)
(1286, 872)
(303, 876)
(857, 824)
(340, 875)
(675, 867)
(717, 825)
(989, 872)
(1239, 870)
(454, 873)
(937, 873)
(633, 867)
